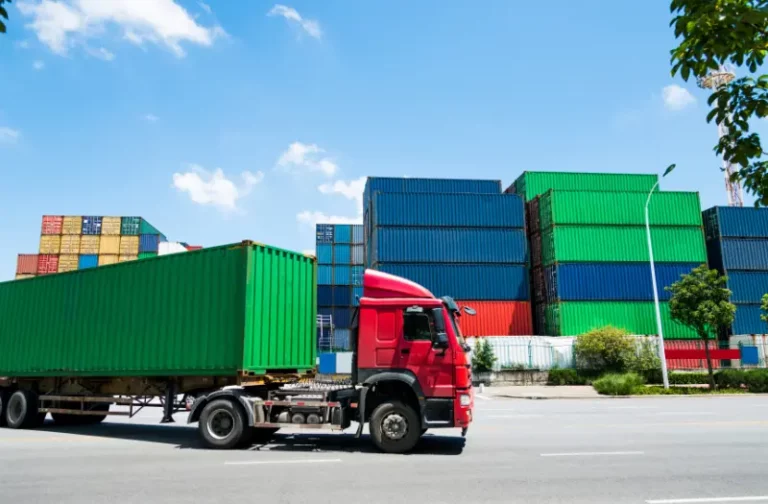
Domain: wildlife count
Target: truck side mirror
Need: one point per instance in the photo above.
(441, 341)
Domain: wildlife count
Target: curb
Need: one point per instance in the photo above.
(673, 396)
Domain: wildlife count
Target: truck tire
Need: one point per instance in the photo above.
(223, 425)
(395, 427)
(4, 395)
(21, 411)
(97, 419)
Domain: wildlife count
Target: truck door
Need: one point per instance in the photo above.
(417, 353)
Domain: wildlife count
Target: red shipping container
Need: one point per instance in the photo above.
(52, 224)
(47, 264)
(690, 345)
(26, 264)
(194, 247)
(497, 318)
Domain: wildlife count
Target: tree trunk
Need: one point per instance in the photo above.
(709, 363)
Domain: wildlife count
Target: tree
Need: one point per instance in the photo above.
(483, 358)
(3, 14)
(714, 33)
(701, 301)
(764, 307)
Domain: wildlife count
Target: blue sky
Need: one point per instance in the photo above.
(224, 120)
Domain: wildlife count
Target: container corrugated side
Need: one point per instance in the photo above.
(739, 254)
(358, 235)
(52, 224)
(622, 244)
(748, 320)
(452, 245)
(26, 264)
(129, 245)
(342, 295)
(23, 276)
(109, 244)
(357, 293)
(146, 228)
(690, 363)
(341, 316)
(610, 281)
(72, 224)
(70, 244)
(747, 286)
(448, 210)
(324, 295)
(578, 317)
(486, 282)
(342, 275)
(87, 261)
(110, 225)
(619, 208)
(357, 255)
(422, 185)
(736, 222)
(324, 274)
(324, 233)
(130, 225)
(47, 264)
(68, 263)
(90, 244)
(497, 318)
(127, 257)
(107, 259)
(50, 244)
(531, 184)
(342, 233)
(147, 255)
(91, 225)
(342, 254)
(357, 275)
(324, 253)
(211, 312)
(149, 242)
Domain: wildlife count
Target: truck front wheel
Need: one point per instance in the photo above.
(395, 427)
(223, 424)
(22, 412)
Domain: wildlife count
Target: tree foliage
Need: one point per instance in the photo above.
(483, 358)
(3, 14)
(605, 349)
(701, 301)
(764, 307)
(713, 33)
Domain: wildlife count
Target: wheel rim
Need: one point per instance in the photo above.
(15, 409)
(221, 423)
(394, 426)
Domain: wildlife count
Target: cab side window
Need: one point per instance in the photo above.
(418, 325)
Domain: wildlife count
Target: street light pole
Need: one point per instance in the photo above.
(662, 353)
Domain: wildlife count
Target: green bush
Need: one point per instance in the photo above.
(646, 362)
(689, 378)
(618, 384)
(605, 349)
(756, 381)
(483, 358)
(730, 378)
(565, 377)
(656, 390)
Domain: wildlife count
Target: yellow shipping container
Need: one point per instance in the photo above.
(73, 224)
(89, 244)
(20, 276)
(70, 244)
(68, 263)
(109, 245)
(127, 257)
(106, 259)
(110, 225)
(129, 245)
(50, 244)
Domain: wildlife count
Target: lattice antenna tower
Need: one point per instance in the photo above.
(714, 80)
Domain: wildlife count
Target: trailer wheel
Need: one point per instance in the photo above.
(21, 411)
(97, 419)
(223, 425)
(395, 427)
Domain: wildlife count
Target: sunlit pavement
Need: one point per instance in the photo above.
(685, 450)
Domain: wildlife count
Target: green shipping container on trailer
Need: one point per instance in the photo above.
(619, 208)
(532, 184)
(622, 244)
(577, 317)
(217, 311)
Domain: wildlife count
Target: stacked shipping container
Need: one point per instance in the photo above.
(461, 238)
(737, 245)
(339, 250)
(590, 263)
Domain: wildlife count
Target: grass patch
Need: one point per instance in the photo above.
(618, 384)
(657, 390)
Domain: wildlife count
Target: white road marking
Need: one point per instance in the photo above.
(268, 462)
(762, 498)
(483, 397)
(685, 413)
(592, 454)
(521, 415)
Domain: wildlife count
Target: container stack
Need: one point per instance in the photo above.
(458, 238)
(69, 243)
(589, 250)
(339, 249)
(737, 245)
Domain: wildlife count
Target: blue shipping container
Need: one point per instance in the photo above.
(342, 295)
(342, 275)
(324, 233)
(454, 245)
(448, 210)
(736, 222)
(149, 242)
(416, 185)
(324, 311)
(340, 341)
(87, 261)
(91, 225)
(357, 254)
(747, 286)
(324, 253)
(324, 275)
(358, 235)
(748, 320)
(610, 281)
(324, 295)
(357, 275)
(357, 293)
(480, 282)
(342, 233)
(342, 254)
(341, 317)
(738, 254)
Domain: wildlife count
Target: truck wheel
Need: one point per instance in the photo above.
(395, 427)
(21, 411)
(97, 419)
(223, 425)
(4, 395)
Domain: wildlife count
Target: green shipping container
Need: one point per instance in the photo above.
(619, 208)
(622, 244)
(217, 311)
(147, 255)
(639, 318)
(532, 184)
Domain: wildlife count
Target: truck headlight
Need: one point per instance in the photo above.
(465, 400)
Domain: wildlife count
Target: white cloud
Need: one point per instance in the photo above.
(306, 156)
(101, 53)
(8, 135)
(352, 190)
(24, 44)
(205, 7)
(151, 118)
(310, 26)
(62, 24)
(313, 218)
(308, 252)
(676, 97)
(38, 65)
(215, 188)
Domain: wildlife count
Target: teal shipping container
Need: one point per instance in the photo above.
(241, 308)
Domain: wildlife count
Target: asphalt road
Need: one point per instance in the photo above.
(682, 450)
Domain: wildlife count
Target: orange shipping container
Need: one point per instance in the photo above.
(110, 225)
(124, 258)
(129, 245)
(72, 225)
(109, 245)
(89, 244)
(21, 276)
(104, 260)
(70, 244)
(68, 263)
(497, 318)
(50, 244)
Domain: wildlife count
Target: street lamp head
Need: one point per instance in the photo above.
(669, 170)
